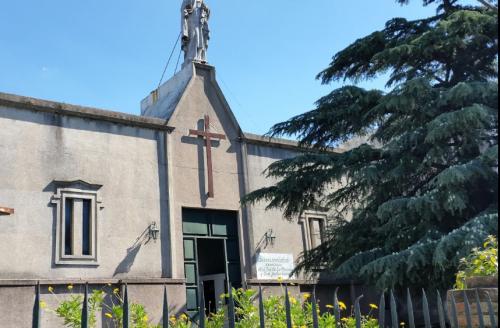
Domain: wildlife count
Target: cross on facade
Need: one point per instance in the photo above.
(207, 135)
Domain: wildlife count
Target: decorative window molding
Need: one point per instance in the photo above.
(77, 207)
(314, 226)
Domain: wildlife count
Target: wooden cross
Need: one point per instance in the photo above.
(207, 135)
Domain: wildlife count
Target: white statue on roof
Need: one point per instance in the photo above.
(195, 31)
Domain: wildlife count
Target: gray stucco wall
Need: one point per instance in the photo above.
(289, 235)
(129, 162)
(38, 148)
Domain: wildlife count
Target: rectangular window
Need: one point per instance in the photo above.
(78, 205)
(317, 230)
(314, 230)
(68, 225)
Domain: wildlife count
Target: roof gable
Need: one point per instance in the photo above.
(166, 101)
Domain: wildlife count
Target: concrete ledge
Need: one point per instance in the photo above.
(283, 143)
(22, 102)
(304, 282)
(58, 282)
(152, 281)
(257, 282)
(271, 142)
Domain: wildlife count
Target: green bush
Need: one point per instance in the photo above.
(480, 263)
(247, 312)
(70, 310)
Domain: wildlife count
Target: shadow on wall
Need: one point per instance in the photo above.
(128, 261)
(263, 244)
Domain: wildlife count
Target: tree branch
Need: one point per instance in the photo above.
(487, 4)
(447, 6)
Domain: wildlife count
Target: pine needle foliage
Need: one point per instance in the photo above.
(422, 192)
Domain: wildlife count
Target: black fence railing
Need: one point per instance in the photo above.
(478, 312)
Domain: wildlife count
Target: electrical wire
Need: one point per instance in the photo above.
(168, 61)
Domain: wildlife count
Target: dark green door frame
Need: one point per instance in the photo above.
(215, 225)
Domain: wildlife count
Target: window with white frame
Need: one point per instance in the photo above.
(78, 205)
(314, 229)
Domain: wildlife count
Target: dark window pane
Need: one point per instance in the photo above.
(189, 249)
(190, 270)
(194, 222)
(234, 274)
(68, 227)
(233, 251)
(195, 226)
(191, 299)
(86, 239)
(224, 224)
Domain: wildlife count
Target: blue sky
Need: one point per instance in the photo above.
(110, 53)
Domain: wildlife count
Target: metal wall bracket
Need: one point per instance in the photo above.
(6, 211)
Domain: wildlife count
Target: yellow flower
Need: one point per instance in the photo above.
(329, 306)
(43, 305)
(280, 279)
(116, 291)
(374, 306)
(145, 318)
(342, 305)
(184, 317)
(345, 319)
(109, 315)
(70, 287)
(306, 296)
(51, 289)
(173, 320)
(293, 300)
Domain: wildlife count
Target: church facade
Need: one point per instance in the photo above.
(88, 195)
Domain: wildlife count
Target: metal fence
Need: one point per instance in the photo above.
(475, 314)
